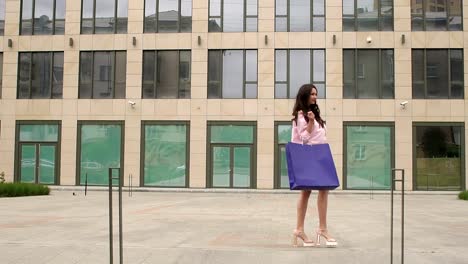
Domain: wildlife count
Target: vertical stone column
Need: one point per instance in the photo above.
(198, 111)
(265, 44)
(332, 106)
(403, 91)
(8, 96)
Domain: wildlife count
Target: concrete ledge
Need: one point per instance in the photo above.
(221, 190)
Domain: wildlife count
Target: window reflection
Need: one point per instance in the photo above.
(45, 21)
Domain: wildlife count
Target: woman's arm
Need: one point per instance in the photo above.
(305, 128)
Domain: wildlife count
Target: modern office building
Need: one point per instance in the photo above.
(199, 93)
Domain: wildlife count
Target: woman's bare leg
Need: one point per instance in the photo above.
(322, 205)
(302, 209)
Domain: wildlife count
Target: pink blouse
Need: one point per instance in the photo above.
(300, 134)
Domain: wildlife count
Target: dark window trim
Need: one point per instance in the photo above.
(244, 81)
(155, 52)
(379, 18)
(423, 16)
(449, 75)
(17, 151)
(156, 25)
(116, 19)
(52, 56)
(253, 145)
(312, 16)
(145, 123)
(277, 157)
(54, 9)
(347, 124)
(288, 71)
(114, 66)
(462, 151)
(80, 123)
(380, 71)
(221, 16)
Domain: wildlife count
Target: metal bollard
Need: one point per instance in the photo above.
(111, 237)
(86, 184)
(394, 180)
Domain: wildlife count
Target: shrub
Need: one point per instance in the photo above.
(22, 189)
(463, 195)
(2, 177)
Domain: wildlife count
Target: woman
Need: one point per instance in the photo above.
(310, 129)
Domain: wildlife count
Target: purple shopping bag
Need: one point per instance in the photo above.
(311, 167)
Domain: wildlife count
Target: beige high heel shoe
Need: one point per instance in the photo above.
(306, 242)
(329, 241)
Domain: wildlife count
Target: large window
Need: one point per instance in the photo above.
(370, 15)
(231, 155)
(282, 137)
(233, 16)
(42, 17)
(102, 74)
(369, 155)
(166, 74)
(436, 15)
(368, 74)
(300, 15)
(168, 16)
(100, 147)
(40, 75)
(439, 156)
(438, 74)
(232, 74)
(37, 152)
(104, 16)
(165, 154)
(293, 68)
(2, 17)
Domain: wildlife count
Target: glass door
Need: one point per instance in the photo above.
(38, 163)
(231, 166)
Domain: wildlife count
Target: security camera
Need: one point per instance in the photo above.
(369, 39)
(403, 104)
(132, 103)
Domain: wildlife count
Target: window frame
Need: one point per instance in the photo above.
(362, 125)
(221, 16)
(80, 124)
(52, 55)
(58, 143)
(449, 74)
(113, 78)
(156, 24)
(33, 12)
(288, 72)
(277, 155)
(244, 82)
(145, 123)
(423, 16)
(379, 18)
(312, 16)
(414, 126)
(116, 18)
(253, 153)
(357, 76)
(155, 52)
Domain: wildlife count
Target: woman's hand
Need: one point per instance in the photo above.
(310, 115)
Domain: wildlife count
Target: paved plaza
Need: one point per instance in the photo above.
(228, 227)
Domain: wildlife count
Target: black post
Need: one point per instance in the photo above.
(119, 178)
(86, 184)
(110, 219)
(394, 180)
(120, 219)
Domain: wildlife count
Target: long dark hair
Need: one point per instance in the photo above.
(302, 103)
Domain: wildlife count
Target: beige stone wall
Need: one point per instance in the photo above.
(265, 110)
